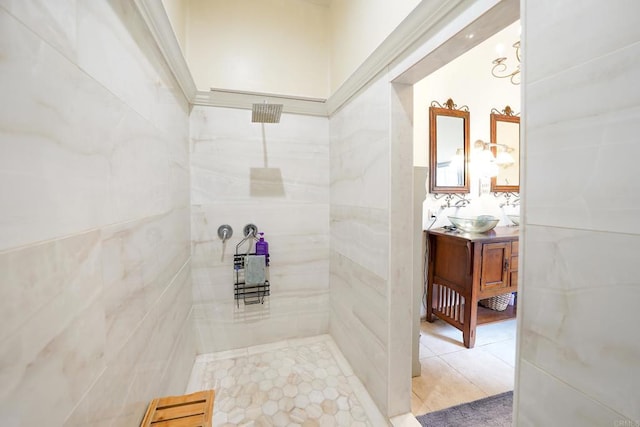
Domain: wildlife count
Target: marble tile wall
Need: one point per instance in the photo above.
(369, 158)
(360, 235)
(401, 255)
(581, 202)
(275, 176)
(95, 219)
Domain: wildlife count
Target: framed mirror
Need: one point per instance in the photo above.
(448, 148)
(505, 138)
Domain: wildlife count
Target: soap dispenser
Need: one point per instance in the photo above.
(262, 248)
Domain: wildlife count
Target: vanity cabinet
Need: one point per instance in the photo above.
(464, 268)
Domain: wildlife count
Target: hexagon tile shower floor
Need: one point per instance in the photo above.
(305, 382)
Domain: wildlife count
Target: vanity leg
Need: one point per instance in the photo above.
(470, 323)
(429, 317)
(469, 336)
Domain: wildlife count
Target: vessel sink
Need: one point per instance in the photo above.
(514, 219)
(479, 224)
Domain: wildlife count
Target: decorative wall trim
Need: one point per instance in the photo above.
(422, 19)
(241, 99)
(426, 18)
(154, 15)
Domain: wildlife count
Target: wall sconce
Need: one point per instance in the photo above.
(499, 69)
(485, 162)
(503, 158)
(488, 163)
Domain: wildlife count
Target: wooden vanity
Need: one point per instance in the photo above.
(464, 268)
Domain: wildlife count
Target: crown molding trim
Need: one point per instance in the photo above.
(425, 19)
(154, 15)
(420, 21)
(245, 100)
(156, 19)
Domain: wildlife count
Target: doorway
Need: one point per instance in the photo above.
(496, 20)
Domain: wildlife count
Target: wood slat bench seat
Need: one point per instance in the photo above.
(189, 410)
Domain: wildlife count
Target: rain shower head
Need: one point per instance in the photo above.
(266, 113)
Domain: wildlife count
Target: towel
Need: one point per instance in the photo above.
(255, 270)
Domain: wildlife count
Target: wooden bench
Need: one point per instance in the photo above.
(189, 410)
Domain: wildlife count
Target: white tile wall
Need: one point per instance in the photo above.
(577, 352)
(401, 297)
(94, 225)
(570, 36)
(359, 236)
(564, 404)
(53, 22)
(290, 204)
(369, 272)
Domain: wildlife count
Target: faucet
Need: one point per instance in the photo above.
(508, 202)
(225, 232)
(448, 197)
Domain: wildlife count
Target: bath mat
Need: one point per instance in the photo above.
(492, 411)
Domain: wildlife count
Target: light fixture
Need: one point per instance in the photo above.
(499, 69)
(487, 162)
(503, 158)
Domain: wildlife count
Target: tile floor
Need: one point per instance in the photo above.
(305, 382)
(453, 374)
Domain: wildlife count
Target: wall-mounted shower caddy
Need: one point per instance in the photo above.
(247, 266)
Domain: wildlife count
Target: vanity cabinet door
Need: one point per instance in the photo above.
(496, 258)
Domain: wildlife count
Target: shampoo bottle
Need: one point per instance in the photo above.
(262, 248)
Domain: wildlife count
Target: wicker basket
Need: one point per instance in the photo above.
(497, 303)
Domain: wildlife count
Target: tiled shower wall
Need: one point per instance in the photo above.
(275, 176)
(360, 236)
(578, 346)
(371, 167)
(94, 227)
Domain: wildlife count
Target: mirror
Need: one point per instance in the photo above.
(505, 136)
(448, 148)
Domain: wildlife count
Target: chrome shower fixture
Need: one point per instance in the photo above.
(225, 232)
(266, 113)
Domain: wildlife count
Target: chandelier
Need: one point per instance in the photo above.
(499, 69)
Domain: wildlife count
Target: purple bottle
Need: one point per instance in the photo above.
(262, 248)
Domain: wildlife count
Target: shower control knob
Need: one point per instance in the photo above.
(225, 232)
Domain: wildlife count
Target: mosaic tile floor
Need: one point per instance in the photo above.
(304, 382)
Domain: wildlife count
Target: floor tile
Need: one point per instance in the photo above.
(425, 352)
(503, 350)
(419, 406)
(440, 337)
(440, 386)
(490, 374)
(296, 382)
(495, 332)
(452, 374)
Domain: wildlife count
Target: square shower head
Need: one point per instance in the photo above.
(266, 113)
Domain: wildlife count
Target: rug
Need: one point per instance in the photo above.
(492, 411)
